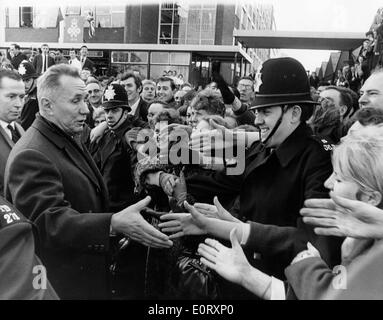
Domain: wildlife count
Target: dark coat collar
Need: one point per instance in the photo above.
(79, 155)
(293, 144)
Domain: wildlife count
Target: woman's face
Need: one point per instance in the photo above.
(341, 187)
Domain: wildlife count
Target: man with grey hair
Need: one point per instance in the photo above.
(51, 178)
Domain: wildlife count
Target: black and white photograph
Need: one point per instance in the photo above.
(189, 154)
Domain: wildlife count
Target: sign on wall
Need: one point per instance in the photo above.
(74, 29)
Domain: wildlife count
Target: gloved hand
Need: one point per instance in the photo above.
(167, 182)
(180, 189)
(227, 96)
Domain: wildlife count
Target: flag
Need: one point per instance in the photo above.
(59, 17)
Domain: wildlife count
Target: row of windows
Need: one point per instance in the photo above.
(141, 57)
(46, 17)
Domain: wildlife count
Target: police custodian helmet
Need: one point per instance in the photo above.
(281, 81)
(115, 96)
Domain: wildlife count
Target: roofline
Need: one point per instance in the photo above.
(343, 41)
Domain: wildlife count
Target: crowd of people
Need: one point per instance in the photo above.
(370, 57)
(130, 188)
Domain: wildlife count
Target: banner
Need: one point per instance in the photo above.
(74, 29)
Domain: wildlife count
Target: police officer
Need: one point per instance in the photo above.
(116, 160)
(31, 105)
(287, 166)
(23, 276)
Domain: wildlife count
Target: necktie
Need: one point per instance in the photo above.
(14, 133)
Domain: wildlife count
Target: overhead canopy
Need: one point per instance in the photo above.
(343, 41)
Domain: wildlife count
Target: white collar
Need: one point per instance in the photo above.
(134, 106)
(5, 124)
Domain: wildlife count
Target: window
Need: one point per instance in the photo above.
(26, 17)
(179, 58)
(129, 57)
(159, 57)
(109, 16)
(183, 23)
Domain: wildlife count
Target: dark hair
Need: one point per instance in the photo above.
(12, 74)
(137, 80)
(208, 101)
(169, 115)
(165, 79)
(345, 98)
(84, 46)
(16, 46)
(44, 45)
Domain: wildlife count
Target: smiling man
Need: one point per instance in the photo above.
(166, 89)
(52, 179)
(371, 94)
(287, 166)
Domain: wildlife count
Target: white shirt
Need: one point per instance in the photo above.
(76, 63)
(4, 126)
(134, 106)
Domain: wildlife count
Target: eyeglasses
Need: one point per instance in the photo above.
(244, 86)
(95, 91)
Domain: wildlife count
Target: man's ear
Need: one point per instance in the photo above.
(342, 110)
(46, 106)
(296, 113)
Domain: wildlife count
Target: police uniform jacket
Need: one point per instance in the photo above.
(272, 190)
(116, 161)
(54, 182)
(22, 273)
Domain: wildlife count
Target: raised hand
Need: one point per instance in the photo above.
(180, 189)
(230, 263)
(182, 224)
(218, 139)
(130, 223)
(97, 132)
(167, 182)
(343, 217)
(215, 211)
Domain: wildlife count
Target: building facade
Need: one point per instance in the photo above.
(166, 38)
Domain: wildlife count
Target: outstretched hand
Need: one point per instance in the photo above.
(230, 263)
(343, 217)
(218, 139)
(182, 224)
(215, 211)
(131, 223)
